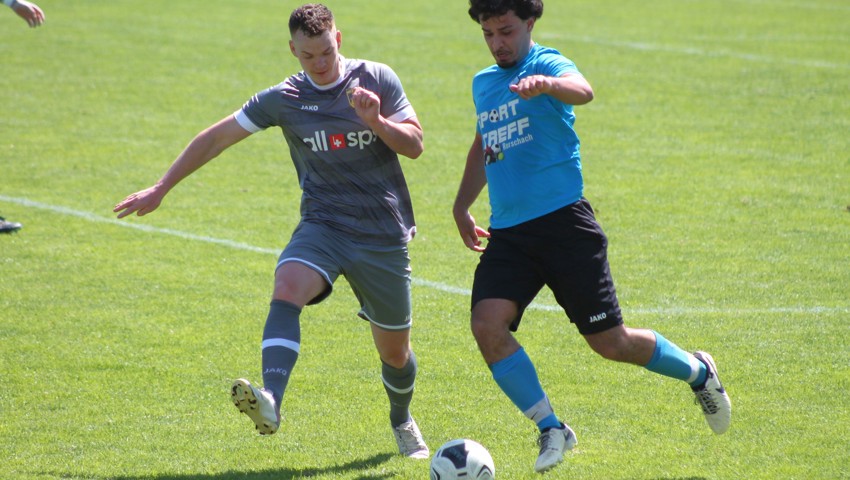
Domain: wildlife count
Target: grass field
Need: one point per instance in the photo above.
(715, 153)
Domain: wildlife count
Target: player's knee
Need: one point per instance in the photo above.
(397, 358)
(480, 328)
(609, 351)
(298, 284)
(488, 330)
(611, 345)
(492, 318)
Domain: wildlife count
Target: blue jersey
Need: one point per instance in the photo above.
(531, 152)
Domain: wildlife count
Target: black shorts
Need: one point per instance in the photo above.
(565, 250)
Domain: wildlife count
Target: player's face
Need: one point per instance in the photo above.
(319, 55)
(508, 37)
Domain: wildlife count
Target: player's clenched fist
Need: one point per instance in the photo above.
(532, 86)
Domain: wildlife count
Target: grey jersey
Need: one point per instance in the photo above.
(351, 181)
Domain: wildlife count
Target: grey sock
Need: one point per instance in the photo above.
(398, 382)
(281, 344)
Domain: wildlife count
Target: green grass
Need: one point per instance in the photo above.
(715, 154)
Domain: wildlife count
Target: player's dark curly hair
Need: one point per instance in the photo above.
(312, 19)
(524, 9)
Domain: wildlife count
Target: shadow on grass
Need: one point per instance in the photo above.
(279, 474)
(681, 478)
(289, 473)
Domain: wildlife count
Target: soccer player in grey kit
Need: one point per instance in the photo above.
(345, 121)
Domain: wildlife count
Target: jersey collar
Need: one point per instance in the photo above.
(334, 84)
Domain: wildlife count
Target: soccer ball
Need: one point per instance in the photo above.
(464, 459)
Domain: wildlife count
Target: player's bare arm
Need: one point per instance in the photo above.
(473, 182)
(204, 147)
(572, 89)
(404, 138)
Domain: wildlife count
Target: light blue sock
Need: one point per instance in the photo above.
(672, 361)
(517, 377)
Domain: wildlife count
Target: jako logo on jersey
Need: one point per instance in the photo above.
(312, 108)
(322, 142)
(596, 318)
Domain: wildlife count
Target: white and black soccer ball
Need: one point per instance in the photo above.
(462, 459)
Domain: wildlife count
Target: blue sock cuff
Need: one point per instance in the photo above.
(670, 360)
(661, 343)
(505, 365)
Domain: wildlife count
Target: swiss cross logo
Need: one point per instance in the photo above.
(337, 141)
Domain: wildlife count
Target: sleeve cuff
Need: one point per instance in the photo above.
(402, 115)
(245, 122)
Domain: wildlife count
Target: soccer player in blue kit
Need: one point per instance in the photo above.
(542, 229)
(345, 121)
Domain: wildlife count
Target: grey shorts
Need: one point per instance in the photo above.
(378, 275)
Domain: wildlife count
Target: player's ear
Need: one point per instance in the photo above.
(292, 48)
(338, 39)
(531, 24)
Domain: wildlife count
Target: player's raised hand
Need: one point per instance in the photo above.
(366, 103)
(532, 86)
(141, 203)
(571, 89)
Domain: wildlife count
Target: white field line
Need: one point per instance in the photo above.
(808, 6)
(138, 226)
(442, 287)
(694, 51)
